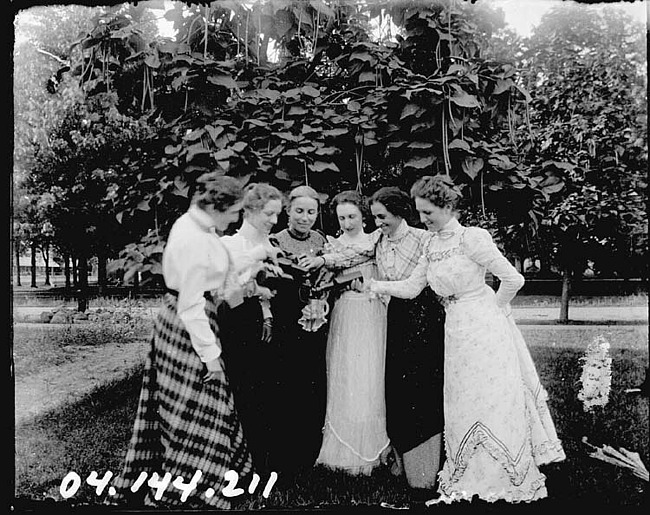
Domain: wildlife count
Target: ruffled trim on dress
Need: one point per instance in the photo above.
(479, 436)
(338, 454)
(535, 491)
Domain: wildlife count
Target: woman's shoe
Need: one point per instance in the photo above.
(397, 467)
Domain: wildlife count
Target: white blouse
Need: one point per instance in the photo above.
(454, 265)
(195, 261)
(244, 246)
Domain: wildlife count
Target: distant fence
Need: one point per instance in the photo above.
(586, 287)
(552, 287)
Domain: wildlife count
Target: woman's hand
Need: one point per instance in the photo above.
(272, 254)
(214, 371)
(267, 330)
(264, 293)
(358, 285)
(310, 262)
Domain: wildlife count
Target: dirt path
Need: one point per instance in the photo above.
(93, 366)
(38, 393)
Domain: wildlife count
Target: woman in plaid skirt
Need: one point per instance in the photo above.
(187, 433)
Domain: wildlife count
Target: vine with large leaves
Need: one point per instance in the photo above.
(305, 92)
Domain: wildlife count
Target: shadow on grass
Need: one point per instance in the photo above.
(90, 434)
(93, 434)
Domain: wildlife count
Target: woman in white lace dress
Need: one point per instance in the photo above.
(498, 429)
(354, 435)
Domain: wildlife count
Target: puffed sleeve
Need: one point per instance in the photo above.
(480, 247)
(243, 257)
(408, 288)
(245, 260)
(346, 256)
(193, 268)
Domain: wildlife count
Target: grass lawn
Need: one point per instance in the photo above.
(92, 434)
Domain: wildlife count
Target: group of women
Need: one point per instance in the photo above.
(234, 381)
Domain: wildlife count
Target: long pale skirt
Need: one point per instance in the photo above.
(355, 424)
(498, 429)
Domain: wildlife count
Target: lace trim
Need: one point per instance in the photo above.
(516, 467)
(352, 450)
(440, 255)
(550, 450)
(517, 470)
(536, 491)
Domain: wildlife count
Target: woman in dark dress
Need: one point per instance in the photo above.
(246, 330)
(301, 352)
(414, 343)
(186, 423)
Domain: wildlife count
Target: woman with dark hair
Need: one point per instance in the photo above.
(498, 429)
(414, 343)
(301, 367)
(246, 330)
(354, 435)
(186, 424)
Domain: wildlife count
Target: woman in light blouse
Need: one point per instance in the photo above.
(414, 341)
(246, 330)
(498, 429)
(354, 435)
(186, 419)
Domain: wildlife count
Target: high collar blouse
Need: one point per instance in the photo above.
(245, 246)
(396, 256)
(454, 263)
(195, 261)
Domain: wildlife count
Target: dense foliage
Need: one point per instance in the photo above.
(547, 136)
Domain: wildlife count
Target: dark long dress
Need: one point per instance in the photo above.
(251, 366)
(301, 372)
(414, 370)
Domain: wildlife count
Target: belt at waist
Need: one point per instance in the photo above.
(206, 294)
(476, 294)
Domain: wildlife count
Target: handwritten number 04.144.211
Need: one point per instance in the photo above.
(72, 482)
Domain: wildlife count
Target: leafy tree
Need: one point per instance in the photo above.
(588, 79)
(337, 106)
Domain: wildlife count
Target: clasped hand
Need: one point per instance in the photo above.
(310, 262)
(272, 254)
(215, 371)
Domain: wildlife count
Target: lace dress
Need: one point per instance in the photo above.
(498, 429)
(354, 435)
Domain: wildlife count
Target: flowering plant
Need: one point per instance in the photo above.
(596, 375)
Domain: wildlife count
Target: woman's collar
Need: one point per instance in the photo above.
(249, 232)
(297, 236)
(400, 232)
(203, 219)
(449, 229)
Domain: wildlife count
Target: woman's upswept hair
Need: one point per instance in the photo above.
(351, 197)
(394, 200)
(219, 191)
(303, 191)
(439, 190)
(256, 196)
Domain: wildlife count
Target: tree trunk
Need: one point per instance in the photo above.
(66, 261)
(33, 266)
(17, 250)
(566, 293)
(82, 298)
(136, 284)
(101, 272)
(46, 257)
(75, 274)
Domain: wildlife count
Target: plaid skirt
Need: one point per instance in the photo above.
(183, 425)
